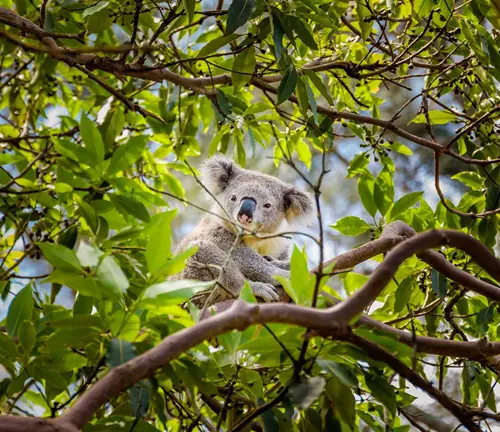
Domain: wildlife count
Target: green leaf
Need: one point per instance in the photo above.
(268, 418)
(320, 86)
(189, 6)
(439, 283)
(129, 206)
(120, 352)
(7, 346)
(241, 155)
(435, 117)
(113, 127)
(238, 13)
(94, 145)
(20, 310)
(312, 101)
(215, 44)
(302, 394)
(351, 225)
(423, 7)
(247, 294)
(365, 26)
(404, 203)
(323, 20)
(474, 41)
(483, 320)
(303, 31)
(243, 68)
(366, 184)
(382, 391)
(358, 165)
(21, 7)
(62, 188)
(223, 102)
(99, 21)
(27, 337)
(88, 214)
(125, 155)
(302, 97)
(111, 276)
(173, 292)
(85, 286)
(95, 8)
(343, 399)
(287, 84)
(304, 153)
(125, 326)
(471, 179)
(127, 234)
(383, 191)
(60, 256)
(403, 294)
(6, 159)
(88, 255)
(401, 149)
(81, 321)
(300, 277)
(278, 33)
(70, 337)
(343, 372)
(160, 239)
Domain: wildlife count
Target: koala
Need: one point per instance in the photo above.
(258, 202)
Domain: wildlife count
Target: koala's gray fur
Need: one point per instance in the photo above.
(276, 206)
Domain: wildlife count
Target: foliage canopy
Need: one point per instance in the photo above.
(106, 105)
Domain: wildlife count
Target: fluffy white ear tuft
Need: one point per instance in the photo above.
(299, 207)
(217, 172)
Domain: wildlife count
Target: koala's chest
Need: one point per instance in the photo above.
(271, 247)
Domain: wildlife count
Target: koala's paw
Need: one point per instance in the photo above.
(265, 291)
(284, 265)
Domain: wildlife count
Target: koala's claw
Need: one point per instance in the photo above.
(265, 291)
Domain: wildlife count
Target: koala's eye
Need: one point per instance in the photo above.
(267, 205)
(233, 197)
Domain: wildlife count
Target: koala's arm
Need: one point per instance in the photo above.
(283, 264)
(255, 267)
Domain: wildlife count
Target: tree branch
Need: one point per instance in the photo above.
(355, 304)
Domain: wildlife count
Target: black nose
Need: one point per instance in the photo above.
(247, 208)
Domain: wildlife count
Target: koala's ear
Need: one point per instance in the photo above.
(217, 172)
(299, 206)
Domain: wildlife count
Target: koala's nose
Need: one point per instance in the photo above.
(247, 209)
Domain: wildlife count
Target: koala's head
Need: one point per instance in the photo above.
(257, 201)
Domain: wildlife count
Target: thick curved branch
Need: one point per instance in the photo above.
(240, 316)
(331, 322)
(355, 304)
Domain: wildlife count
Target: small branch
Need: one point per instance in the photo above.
(43, 7)
(120, 96)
